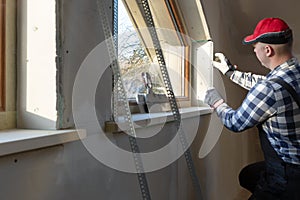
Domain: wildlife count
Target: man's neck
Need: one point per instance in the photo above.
(279, 60)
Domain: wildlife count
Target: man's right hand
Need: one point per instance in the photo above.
(223, 64)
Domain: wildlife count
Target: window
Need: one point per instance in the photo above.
(136, 54)
(132, 56)
(69, 32)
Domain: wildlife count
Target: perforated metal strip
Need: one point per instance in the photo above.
(170, 94)
(121, 97)
(121, 101)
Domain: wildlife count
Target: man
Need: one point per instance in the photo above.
(270, 106)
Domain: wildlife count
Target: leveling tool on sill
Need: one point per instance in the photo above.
(150, 101)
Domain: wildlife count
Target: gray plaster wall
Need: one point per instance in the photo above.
(69, 171)
(79, 32)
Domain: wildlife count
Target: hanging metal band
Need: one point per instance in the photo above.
(120, 98)
(170, 94)
(121, 101)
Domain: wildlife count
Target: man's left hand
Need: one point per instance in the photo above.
(213, 98)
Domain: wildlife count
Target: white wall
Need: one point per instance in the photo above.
(36, 64)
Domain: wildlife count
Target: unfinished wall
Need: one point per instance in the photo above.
(79, 33)
(69, 171)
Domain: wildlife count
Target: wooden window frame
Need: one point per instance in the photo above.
(173, 11)
(2, 53)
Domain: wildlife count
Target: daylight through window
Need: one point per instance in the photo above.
(137, 57)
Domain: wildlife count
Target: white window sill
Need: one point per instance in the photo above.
(19, 140)
(150, 119)
(184, 112)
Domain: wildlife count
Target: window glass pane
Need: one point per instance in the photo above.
(133, 59)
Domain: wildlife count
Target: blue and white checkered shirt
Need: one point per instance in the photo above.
(269, 104)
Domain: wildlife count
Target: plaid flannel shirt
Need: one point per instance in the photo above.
(269, 104)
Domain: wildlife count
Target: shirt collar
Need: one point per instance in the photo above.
(290, 62)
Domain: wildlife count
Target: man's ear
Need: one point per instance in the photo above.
(269, 50)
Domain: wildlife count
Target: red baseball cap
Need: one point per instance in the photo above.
(270, 31)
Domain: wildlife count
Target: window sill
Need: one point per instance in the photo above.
(185, 113)
(150, 119)
(19, 140)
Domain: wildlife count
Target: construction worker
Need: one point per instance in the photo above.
(271, 105)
